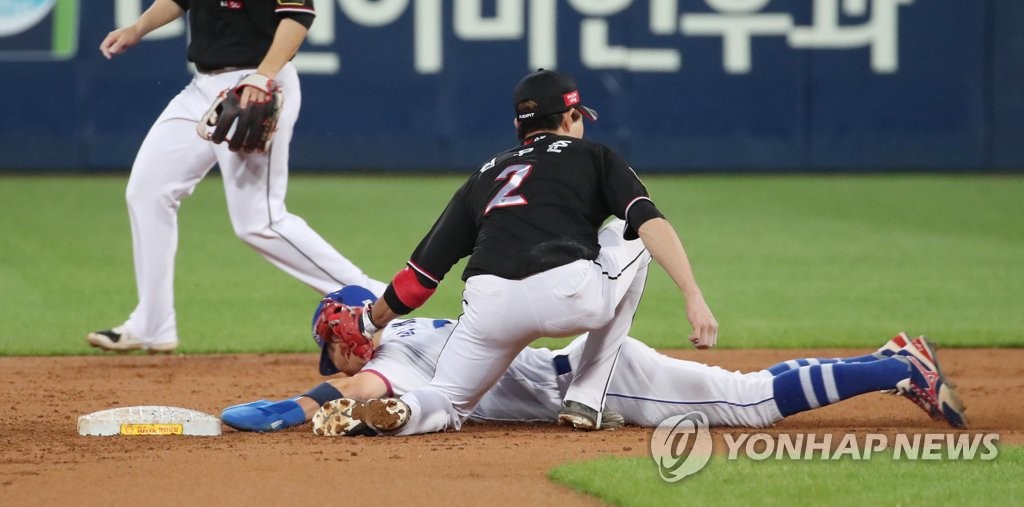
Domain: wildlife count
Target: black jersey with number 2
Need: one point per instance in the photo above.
(533, 208)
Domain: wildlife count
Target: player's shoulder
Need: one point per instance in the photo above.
(550, 147)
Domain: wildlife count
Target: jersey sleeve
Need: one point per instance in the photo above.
(625, 195)
(301, 11)
(183, 4)
(450, 239)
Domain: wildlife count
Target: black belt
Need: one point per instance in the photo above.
(562, 365)
(213, 71)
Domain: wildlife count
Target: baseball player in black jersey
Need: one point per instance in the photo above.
(529, 220)
(244, 46)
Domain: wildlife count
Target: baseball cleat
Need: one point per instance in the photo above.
(119, 339)
(891, 347)
(263, 416)
(582, 417)
(927, 387)
(919, 346)
(349, 418)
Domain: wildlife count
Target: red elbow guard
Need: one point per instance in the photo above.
(409, 290)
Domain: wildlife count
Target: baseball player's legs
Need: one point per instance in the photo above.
(467, 368)
(597, 361)
(649, 387)
(256, 185)
(472, 360)
(500, 317)
(623, 265)
(514, 398)
(170, 163)
(530, 390)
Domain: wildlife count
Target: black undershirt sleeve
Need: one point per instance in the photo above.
(640, 212)
(302, 18)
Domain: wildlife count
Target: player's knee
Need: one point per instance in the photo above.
(135, 193)
(139, 195)
(251, 235)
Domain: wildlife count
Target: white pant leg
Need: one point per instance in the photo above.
(170, 163)
(501, 317)
(476, 354)
(624, 268)
(648, 387)
(256, 185)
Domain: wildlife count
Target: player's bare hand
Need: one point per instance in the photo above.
(705, 327)
(119, 41)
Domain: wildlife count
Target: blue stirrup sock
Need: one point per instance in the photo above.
(792, 364)
(814, 386)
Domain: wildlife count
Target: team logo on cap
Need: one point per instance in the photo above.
(572, 98)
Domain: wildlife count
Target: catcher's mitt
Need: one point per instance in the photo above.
(340, 323)
(250, 129)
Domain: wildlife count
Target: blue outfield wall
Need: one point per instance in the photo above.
(681, 85)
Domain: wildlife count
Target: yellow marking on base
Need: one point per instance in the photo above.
(152, 429)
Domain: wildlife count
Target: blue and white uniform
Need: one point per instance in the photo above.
(646, 387)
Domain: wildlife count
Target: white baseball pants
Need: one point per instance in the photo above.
(501, 317)
(169, 165)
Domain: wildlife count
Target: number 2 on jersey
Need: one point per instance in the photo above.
(515, 174)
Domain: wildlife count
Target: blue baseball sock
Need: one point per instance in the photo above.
(792, 364)
(815, 386)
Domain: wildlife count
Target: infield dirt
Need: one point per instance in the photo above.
(43, 460)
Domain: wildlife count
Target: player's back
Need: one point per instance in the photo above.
(538, 206)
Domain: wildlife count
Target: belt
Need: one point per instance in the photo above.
(213, 72)
(562, 365)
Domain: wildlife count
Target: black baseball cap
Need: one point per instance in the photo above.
(553, 92)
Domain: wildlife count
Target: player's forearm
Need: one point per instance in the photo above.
(157, 15)
(664, 245)
(287, 39)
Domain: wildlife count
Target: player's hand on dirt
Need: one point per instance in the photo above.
(119, 41)
(705, 327)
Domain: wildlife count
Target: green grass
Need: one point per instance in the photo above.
(821, 261)
(879, 481)
(794, 261)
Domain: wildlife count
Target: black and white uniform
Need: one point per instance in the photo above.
(228, 40)
(529, 221)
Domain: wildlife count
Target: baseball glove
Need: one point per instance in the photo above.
(340, 323)
(250, 129)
